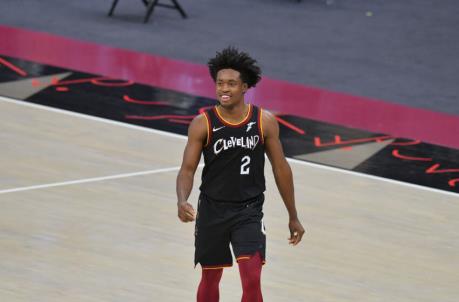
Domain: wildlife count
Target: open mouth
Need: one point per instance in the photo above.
(225, 97)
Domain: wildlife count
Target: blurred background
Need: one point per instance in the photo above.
(398, 51)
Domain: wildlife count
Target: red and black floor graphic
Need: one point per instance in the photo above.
(407, 160)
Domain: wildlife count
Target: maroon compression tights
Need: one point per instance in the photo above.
(208, 288)
(250, 271)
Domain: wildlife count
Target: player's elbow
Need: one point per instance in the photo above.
(282, 169)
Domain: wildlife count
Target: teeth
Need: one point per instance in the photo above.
(225, 97)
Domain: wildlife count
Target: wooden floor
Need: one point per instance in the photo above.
(119, 239)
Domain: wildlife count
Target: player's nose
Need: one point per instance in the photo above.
(224, 88)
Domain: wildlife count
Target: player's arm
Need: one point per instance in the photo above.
(282, 174)
(197, 134)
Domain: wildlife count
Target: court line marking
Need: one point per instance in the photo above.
(89, 117)
(93, 179)
(86, 180)
(164, 133)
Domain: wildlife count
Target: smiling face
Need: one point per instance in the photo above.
(230, 88)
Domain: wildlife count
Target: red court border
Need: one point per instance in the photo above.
(280, 96)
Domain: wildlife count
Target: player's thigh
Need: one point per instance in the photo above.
(249, 238)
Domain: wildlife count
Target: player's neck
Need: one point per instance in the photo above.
(234, 114)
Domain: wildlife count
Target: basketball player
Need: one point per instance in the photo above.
(233, 136)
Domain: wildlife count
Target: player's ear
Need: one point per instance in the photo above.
(245, 87)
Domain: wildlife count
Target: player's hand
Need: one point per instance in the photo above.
(186, 212)
(296, 231)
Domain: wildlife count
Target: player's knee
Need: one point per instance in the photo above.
(212, 277)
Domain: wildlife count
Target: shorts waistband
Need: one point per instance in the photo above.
(235, 203)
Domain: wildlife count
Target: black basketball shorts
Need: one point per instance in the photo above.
(220, 223)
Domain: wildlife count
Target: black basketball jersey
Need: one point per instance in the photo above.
(234, 157)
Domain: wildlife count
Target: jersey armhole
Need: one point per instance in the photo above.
(209, 131)
(260, 125)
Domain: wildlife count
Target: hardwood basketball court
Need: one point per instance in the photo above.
(103, 227)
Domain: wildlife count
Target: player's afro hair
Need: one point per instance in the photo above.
(232, 58)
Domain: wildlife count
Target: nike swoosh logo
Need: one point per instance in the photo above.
(216, 129)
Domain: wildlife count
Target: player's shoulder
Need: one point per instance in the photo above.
(268, 117)
(198, 125)
(266, 113)
(200, 118)
(270, 125)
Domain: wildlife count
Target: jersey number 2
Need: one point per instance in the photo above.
(245, 165)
